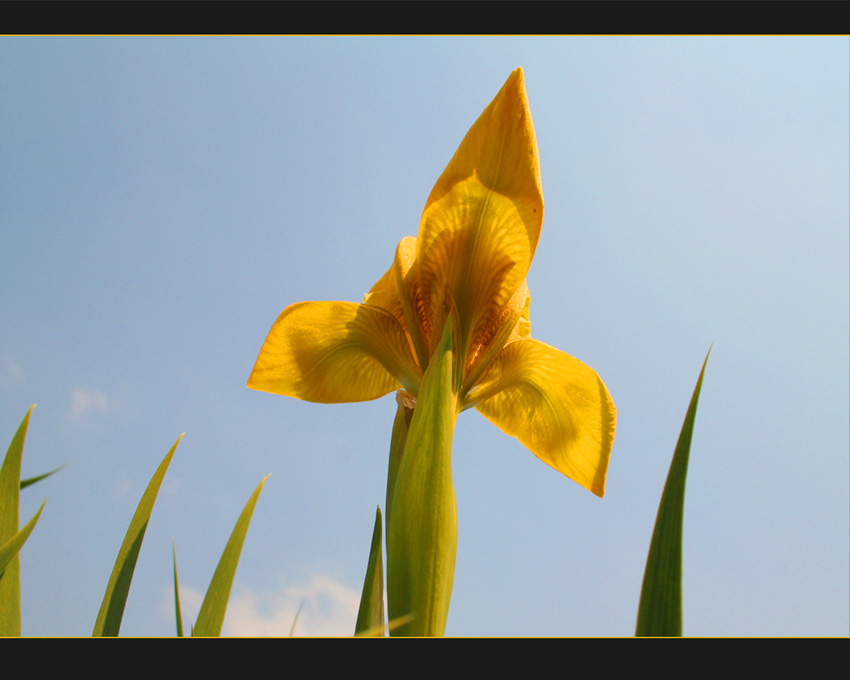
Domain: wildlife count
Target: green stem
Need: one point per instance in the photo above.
(401, 426)
(422, 527)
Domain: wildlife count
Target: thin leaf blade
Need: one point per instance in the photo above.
(660, 609)
(10, 580)
(295, 618)
(111, 611)
(211, 616)
(32, 480)
(13, 546)
(177, 612)
(370, 617)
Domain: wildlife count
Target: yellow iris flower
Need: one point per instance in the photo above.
(477, 237)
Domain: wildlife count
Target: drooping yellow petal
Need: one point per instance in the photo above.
(333, 352)
(481, 223)
(555, 405)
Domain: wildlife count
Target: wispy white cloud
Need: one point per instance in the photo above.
(329, 610)
(12, 370)
(86, 402)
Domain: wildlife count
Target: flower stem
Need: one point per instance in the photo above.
(422, 527)
(401, 426)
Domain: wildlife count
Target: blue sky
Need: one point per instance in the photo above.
(163, 199)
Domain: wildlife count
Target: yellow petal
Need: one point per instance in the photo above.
(481, 224)
(423, 312)
(512, 324)
(399, 293)
(523, 327)
(384, 294)
(332, 352)
(555, 405)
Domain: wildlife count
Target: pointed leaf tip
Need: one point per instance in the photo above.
(370, 617)
(660, 609)
(211, 616)
(111, 612)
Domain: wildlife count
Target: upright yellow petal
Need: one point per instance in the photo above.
(384, 294)
(399, 292)
(333, 352)
(512, 324)
(501, 150)
(555, 405)
(421, 301)
(481, 223)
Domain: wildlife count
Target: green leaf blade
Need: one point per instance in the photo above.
(660, 609)
(13, 546)
(370, 617)
(111, 611)
(32, 480)
(211, 616)
(10, 579)
(178, 615)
